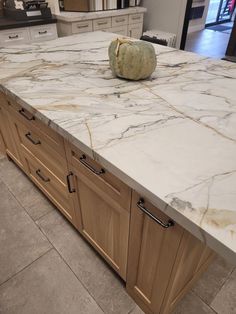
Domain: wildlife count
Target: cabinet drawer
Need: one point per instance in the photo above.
(54, 189)
(119, 20)
(82, 27)
(14, 36)
(135, 30)
(101, 23)
(121, 30)
(43, 148)
(27, 118)
(43, 32)
(104, 180)
(135, 18)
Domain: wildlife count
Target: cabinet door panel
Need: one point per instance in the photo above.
(104, 223)
(10, 145)
(152, 252)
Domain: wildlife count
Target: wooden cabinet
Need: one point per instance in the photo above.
(25, 35)
(9, 145)
(164, 259)
(103, 209)
(126, 22)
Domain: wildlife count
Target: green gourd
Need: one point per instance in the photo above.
(133, 60)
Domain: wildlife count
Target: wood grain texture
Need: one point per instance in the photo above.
(162, 263)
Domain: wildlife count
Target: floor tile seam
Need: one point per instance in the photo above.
(223, 285)
(64, 260)
(11, 192)
(25, 267)
(208, 305)
(19, 203)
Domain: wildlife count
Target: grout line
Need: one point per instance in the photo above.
(208, 305)
(53, 247)
(70, 267)
(25, 267)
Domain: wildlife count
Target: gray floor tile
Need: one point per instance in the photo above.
(101, 282)
(213, 279)
(29, 196)
(192, 304)
(47, 286)
(21, 242)
(225, 300)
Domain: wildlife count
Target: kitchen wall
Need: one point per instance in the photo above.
(165, 15)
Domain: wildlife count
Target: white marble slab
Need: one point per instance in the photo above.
(172, 137)
(82, 16)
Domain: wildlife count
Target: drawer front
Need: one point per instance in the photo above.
(119, 20)
(135, 30)
(50, 185)
(121, 30)
(100, 24)
(135, 18)
(43, 32)
(14, 36)
(82, 27)
(40, 146)
(83, 165)
(27, 118)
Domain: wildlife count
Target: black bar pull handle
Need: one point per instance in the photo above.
(24, 114)
(84, 162)
(30, 138)
(70, 189)
(141, 206)
(41, 176)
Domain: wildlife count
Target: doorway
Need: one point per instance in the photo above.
(215, 26)
(219, 11)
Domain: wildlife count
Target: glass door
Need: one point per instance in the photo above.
(219, 11)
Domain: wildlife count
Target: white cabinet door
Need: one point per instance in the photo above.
(43, 32)
(135, 30)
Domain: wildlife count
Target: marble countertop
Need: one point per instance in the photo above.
(172, 137)
(81, 16)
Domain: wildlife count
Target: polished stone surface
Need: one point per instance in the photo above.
(57, 276)
(172, 137)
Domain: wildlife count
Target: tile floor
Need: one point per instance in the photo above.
(46, 267)
(208, 43)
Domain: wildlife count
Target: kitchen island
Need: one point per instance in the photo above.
(160, 153)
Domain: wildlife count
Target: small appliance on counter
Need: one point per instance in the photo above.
(26, 9)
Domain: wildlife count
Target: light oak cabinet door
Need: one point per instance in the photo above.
(164, 260)
(103, 209)
(152, 252)
(8, 144)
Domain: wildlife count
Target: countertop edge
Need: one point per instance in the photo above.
(166, 208)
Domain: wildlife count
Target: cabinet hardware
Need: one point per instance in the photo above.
(102, 23)
(41, 176)
(24, 114)
(141, 206)
(42, 32)
(71, 190)
(29, 137)
(13, 37)
(120, 20)
(136, 18)
(83, 26)
(84, 162)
